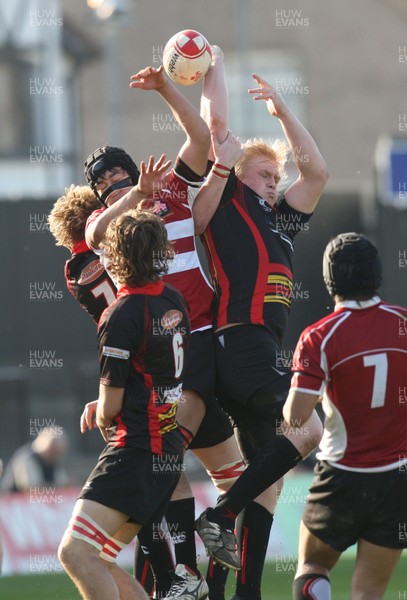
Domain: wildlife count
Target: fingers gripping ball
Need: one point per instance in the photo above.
(186, 57)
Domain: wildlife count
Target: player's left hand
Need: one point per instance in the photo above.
(152, 175)
(229, 151)
(275, 104)
(88, 416)
(149, 78)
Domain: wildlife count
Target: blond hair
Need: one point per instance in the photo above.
(68, 217)
(276, 151)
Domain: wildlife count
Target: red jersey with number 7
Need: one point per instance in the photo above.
(356, 360)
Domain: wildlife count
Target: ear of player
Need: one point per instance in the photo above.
(187, 57)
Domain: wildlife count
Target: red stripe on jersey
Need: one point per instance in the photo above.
(153, 422)
(256, 310)
(121, 433)
(80, 247)
(279, 268)
(184, 245)
(151, 289)
(218, 274)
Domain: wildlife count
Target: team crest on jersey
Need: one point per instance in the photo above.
(161, 208)
(171, 319)
(91, 272)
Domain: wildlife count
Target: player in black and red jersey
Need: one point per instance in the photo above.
(249, 236)
(143, 338)
(111, 179)
(354, 361)
(92, 286)
(85, 276)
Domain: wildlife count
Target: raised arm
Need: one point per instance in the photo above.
(207, 200)
(195, 150)
(215, 99)
(304, 193)
(150, 180)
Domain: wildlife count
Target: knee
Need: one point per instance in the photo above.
(66, 550)
(305, 437)
(73, 552)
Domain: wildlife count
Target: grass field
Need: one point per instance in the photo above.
(277, 584)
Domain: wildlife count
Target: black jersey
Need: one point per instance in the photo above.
(249, 245)
(88, 281)
(143, 337)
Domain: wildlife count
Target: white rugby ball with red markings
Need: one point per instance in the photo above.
(186, 57)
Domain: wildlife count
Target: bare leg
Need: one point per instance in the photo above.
(314, 556)
(191, 411)
(216, 457)
(373, 568)
(81, 560)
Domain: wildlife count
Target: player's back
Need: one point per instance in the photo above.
(147, 329)
(89, 282)
(356, 359)
(364, 350)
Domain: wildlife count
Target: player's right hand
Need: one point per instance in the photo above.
(150, 78)
(88, 417)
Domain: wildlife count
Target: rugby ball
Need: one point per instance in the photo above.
(186, 57)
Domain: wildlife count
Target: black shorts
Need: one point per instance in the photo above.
(214, 429)
(252, 386)
(200, 375)
(344, 506)
(248, 366)
(133, 481)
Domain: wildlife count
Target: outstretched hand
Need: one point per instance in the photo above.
(275, 104)
(149, 78)
(152, 175)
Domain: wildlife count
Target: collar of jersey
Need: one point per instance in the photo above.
(80, 247)
(358, 305)
(151, 289)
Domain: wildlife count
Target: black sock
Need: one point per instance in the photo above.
(216, 576)
(142, 570)
(180, 517)
(269, 464)
(222, 516)
(155, 550)
(312, 585)
(253, 526)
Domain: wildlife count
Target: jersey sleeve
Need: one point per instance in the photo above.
(309, 374)
(119, 337)
(186, 174)
(293, 221)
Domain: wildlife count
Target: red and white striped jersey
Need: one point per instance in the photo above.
(185, 271)
(356, 359)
